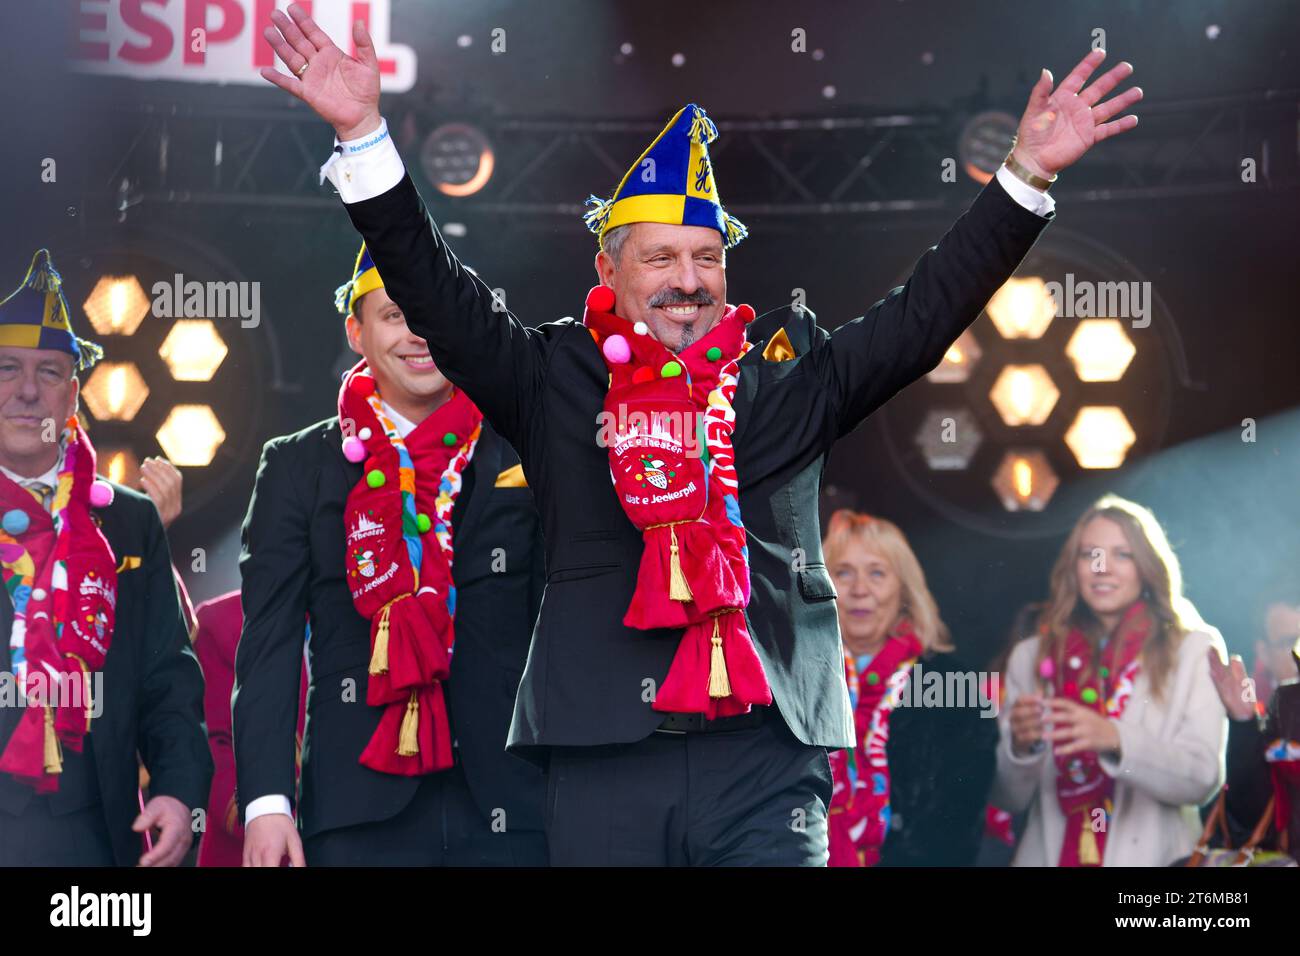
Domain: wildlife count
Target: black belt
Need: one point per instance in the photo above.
(696, 724)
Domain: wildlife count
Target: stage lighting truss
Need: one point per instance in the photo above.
(162, 150)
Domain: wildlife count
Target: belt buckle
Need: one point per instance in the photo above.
(682, 724)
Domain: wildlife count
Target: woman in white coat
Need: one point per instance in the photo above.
(1114, 733)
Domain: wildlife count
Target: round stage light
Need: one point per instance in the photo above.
(457, 159)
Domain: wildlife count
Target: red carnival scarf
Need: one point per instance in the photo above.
(1104, 685)
(61, 575)
(859, 812)
(399, 573)
(694, 571)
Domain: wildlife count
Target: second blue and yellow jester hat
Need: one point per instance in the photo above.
(35, 315)
(365, 278)
(675, 187)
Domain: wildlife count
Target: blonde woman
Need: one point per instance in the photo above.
(1115, 733)
(912, 791)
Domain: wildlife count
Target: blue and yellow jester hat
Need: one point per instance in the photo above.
(365, 278)
(35, 315)
(677, 187)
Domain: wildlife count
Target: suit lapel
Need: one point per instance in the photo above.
(759, 332)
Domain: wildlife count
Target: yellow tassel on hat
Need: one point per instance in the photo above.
(598, 215)
(736, 230)
(408, 741)
(1089, 854)
(53, 752)
(719, 683)
(703, 129)
(678, 588)
(379, 657)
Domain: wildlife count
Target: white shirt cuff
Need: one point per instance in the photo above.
(1036, 201)
(271, 803)
(364, 168)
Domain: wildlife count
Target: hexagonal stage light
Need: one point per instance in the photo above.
(1022, 308)
(1100, 350)
(118, 464)
(1024, 395)
(191, 435)
(949, 438)
(1025, 480)
(958, 362)
(1100, 436)
(193, 350)
(115, 391)
(116, 305)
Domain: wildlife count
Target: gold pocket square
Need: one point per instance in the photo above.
(129, 563)
(779, 348)
(512, 478)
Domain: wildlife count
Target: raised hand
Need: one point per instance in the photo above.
(343, 90)
(1060, 125)
(1230, 681)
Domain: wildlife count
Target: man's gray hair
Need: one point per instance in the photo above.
(612, 241)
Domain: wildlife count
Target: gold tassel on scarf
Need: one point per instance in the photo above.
(408, 741)
(1089, 855)
(379, 657)
(719, 683)
(53, 753)
(678, 589)
(85, 689)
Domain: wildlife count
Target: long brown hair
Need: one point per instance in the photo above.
(1162, 590)
(885, 539)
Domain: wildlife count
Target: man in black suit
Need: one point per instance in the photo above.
(486, 809)
(626, 783)
(80, 806)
